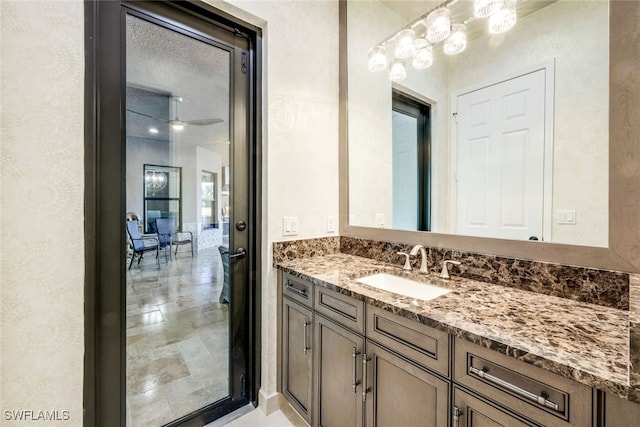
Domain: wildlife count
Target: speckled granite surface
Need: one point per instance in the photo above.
(602, 287)
(293, 249)
(586, 342)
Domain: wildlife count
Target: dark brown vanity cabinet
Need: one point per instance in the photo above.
(297, 344)
(471, 411)
(401, 393)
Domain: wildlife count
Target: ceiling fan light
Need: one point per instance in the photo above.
(153, 130)
(438, 25)
(484, 8)
(177, 125)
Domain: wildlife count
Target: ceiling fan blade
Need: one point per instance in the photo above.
(147, 115)
(203, 122)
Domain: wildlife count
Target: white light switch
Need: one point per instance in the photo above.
(290, 226)
(566, 216)
(380, 220)
(331, 224)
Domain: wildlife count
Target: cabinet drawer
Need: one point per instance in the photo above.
(533, 392)
(471, 411)
(421, 343)
(342, 309)
(297, 289)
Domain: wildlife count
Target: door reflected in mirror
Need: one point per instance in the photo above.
(518, 125)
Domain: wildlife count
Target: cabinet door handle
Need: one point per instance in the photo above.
(365, 388)
(300, 292)
(355, 383)
(539, 399)
(306, 338)
(457, 413)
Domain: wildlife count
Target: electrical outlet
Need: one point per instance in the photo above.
(380, 220)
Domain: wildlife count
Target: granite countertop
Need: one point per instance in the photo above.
(585, 342)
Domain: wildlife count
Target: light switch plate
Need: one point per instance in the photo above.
(290, 226)
(331, 224)
(567, 216)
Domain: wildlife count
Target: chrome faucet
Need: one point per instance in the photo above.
(407, 264)
(423, 255)
(445, 271)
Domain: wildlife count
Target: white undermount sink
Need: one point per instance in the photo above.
(403, 286)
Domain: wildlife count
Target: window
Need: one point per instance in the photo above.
(411, 163)
(209, 205)
(162, 193)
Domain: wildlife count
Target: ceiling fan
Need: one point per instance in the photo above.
(177, 123)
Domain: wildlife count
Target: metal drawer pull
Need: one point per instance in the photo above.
(355, 383)
(300, 292)
(306, 323)
(539, 399)
(457, 413)
(365, 389)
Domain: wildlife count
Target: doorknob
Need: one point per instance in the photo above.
(240, 253)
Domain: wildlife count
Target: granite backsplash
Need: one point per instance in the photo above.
(602, 287)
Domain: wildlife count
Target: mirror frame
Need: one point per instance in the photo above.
(623, 253)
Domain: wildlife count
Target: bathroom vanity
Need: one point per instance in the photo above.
(481, 354)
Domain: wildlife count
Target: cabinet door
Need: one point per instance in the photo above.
(470, 411)
(297, 356)
(401, 393)
(338, 374)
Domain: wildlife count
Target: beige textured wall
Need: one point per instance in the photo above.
(41, 176)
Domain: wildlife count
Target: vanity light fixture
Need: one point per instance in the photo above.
(438, 25)
(397, 71)
(404, 44)
(484, 8)
(504, 19)
(416, 39)
(457, 41)
(423, 57)
(377, 59)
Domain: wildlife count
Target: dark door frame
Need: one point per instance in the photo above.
(104, 365)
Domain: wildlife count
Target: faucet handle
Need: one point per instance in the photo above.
(407, 264)
(445, 270)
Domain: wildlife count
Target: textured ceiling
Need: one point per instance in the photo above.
(172, 64)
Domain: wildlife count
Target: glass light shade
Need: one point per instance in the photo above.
(438, 25)
(484, 8)
(457, 41)
(504, 19)
(404, 44)
(177, 125)
(377, 59)
(397, 71)
(423, 57)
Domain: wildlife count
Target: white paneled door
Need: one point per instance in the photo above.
(501, 159)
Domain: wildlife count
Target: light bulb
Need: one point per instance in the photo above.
(438, 25)
(177, 125)
(404, 44)
(397, 71)
(484, 8)
(457, 41)
(504, 19)
(377, 59)
(423, 57)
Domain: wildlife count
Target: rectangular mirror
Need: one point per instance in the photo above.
(508, 139)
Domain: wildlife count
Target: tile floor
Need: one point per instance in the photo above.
(177, 337)
(249, 416)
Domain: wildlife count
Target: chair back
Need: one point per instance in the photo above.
(134, 234)
(164, 226)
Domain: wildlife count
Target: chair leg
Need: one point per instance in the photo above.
(191, 248)
(176, 253)
(133, 256)
(158, 256)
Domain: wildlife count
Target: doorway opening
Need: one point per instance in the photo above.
(173, 209)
